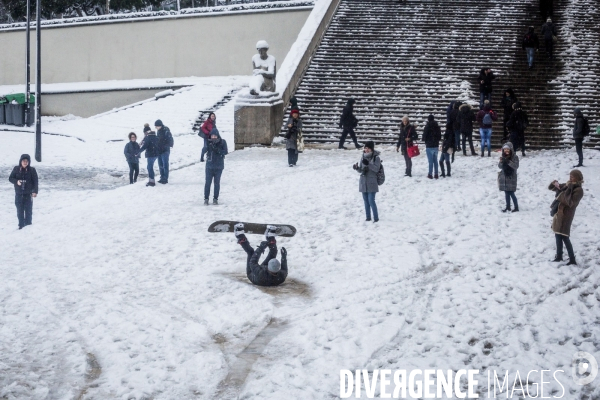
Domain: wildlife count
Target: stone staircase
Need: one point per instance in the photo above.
(414, 57)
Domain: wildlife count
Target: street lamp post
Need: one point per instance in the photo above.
(38, 83)
(27, 67)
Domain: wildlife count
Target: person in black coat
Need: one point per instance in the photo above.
(578, 134)
(25, 179)
(150, 146)
(432, 135)
(517, 124)
(447, 149)
(508, 100)
(348, 122)
(486, 76)
(466, 117)
(215, 164)
(165, 142)
(549, 31)
(270, 272)
(408, 135)
(456, 124)
(132, 155)
(530, 44)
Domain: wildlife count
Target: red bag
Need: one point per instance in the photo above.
(412, 151)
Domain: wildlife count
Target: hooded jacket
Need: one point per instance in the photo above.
(165, 139)
(348, 120)
(518, 122)
(466, 116)
(432, 134)
(508, 182)
(481, 114)
(486, 86)
(150, 145)
(530, 40)
(259, 273)
(29, 175)
(548, 30)
(208, 126)
(507, 102)
(569, 196)
(216, 151)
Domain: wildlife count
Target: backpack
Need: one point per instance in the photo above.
(380, 175)
(585, 130)
(487, 118)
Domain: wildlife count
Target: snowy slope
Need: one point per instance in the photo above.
(122, 294)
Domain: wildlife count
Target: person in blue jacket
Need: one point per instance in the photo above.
(151, 147)
(132, 155)
(215, 163)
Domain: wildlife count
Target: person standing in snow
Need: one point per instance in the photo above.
(408, 135)
(580, 130)
(517, 125)
(486, 117)
(150, 146)
(25, 179)
(530, 44)
(549, 32)
(294, 125)
(368, 167)
(348, 122)
(165, 142)
(447, 149)
(568, 195)
(466, 117)
(508, 100)
(132, 155)
(205, 129)
(456, 124)
(270, 272)
(431, 136)
(486, 76)
(215, 163)
(507, 177)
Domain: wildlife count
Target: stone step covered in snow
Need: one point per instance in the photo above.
(414, 57)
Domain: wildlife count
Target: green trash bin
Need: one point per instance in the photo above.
(2, 117)
(16, 108)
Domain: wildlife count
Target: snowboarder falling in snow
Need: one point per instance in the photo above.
(270, 272)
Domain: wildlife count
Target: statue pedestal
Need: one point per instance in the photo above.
(257, 118)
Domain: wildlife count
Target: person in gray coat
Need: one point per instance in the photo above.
(368, 167)
(294, 126)
(507, 177)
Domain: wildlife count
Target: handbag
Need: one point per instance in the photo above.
(412, 151)
(380, 174)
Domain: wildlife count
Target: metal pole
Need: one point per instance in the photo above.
(27, 67)
(38, 83)
(178, 6)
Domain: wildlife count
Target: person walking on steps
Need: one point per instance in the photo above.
(215, 163)
(368, 167)
(486, 76)
(486, 117)
(294, 125)
(150, 146)
(530, 44)
(507, 177)
(270, 272)
(431, 136)
(517, 125)
(568, 196)
(408, 135)
(466, 117)
(507, 102)
(165, 142)
(205, 129)
(447, 150)
(348, 122)
(25, 179)
(549, 32)
(132, 155)
(580, 131)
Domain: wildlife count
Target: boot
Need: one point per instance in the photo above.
(482, 152)
(215, 202)
(516, 209)
(572, 261)
(453, 156)
(489, 153)
(557, 258)
(205, 202)
(506, 209)
(436, 176)
(442, 168)
(449, 169)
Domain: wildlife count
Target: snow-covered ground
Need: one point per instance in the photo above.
(118, 291)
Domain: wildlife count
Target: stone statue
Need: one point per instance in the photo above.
(264, 70)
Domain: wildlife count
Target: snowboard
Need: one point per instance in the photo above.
(252, 228)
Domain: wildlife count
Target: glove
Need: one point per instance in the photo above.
(283, 252)
(355, 166)
(365, 161)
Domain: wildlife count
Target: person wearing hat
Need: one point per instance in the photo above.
(507, 177)
(150, 146)
(215, 164)
(568, 195)
(579, 134)
(549, 32)
(205, 130)
(294, 125)
(517, 124)
(165, 142)
(431, 136)
(368, 167)
(270, 272)
(348, 122)
(25, 179)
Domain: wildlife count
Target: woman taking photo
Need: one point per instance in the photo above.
(368, 167)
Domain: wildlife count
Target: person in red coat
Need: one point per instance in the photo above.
(207, 126)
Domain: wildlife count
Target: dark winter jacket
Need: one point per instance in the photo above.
(486, 109)
(548, 30)
(368, 173)
(132, 152)
(150, 145)
(507, 177)
(29, 175)
(165, 139)
(259, 273)
(579, 123)
(348, 120)
(217, 150)
(432, 134)
(570, 194)
(407, 131)
(507, 102)
(518, 122)
(208, 126)
(448, 111)
(292, 133)
(448, 142)
(530, 40)
(466, 116)
(486, 86)
(454, 117)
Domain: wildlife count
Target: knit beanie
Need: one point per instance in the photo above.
(147, 128)
(370, 144)
(158, 123)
